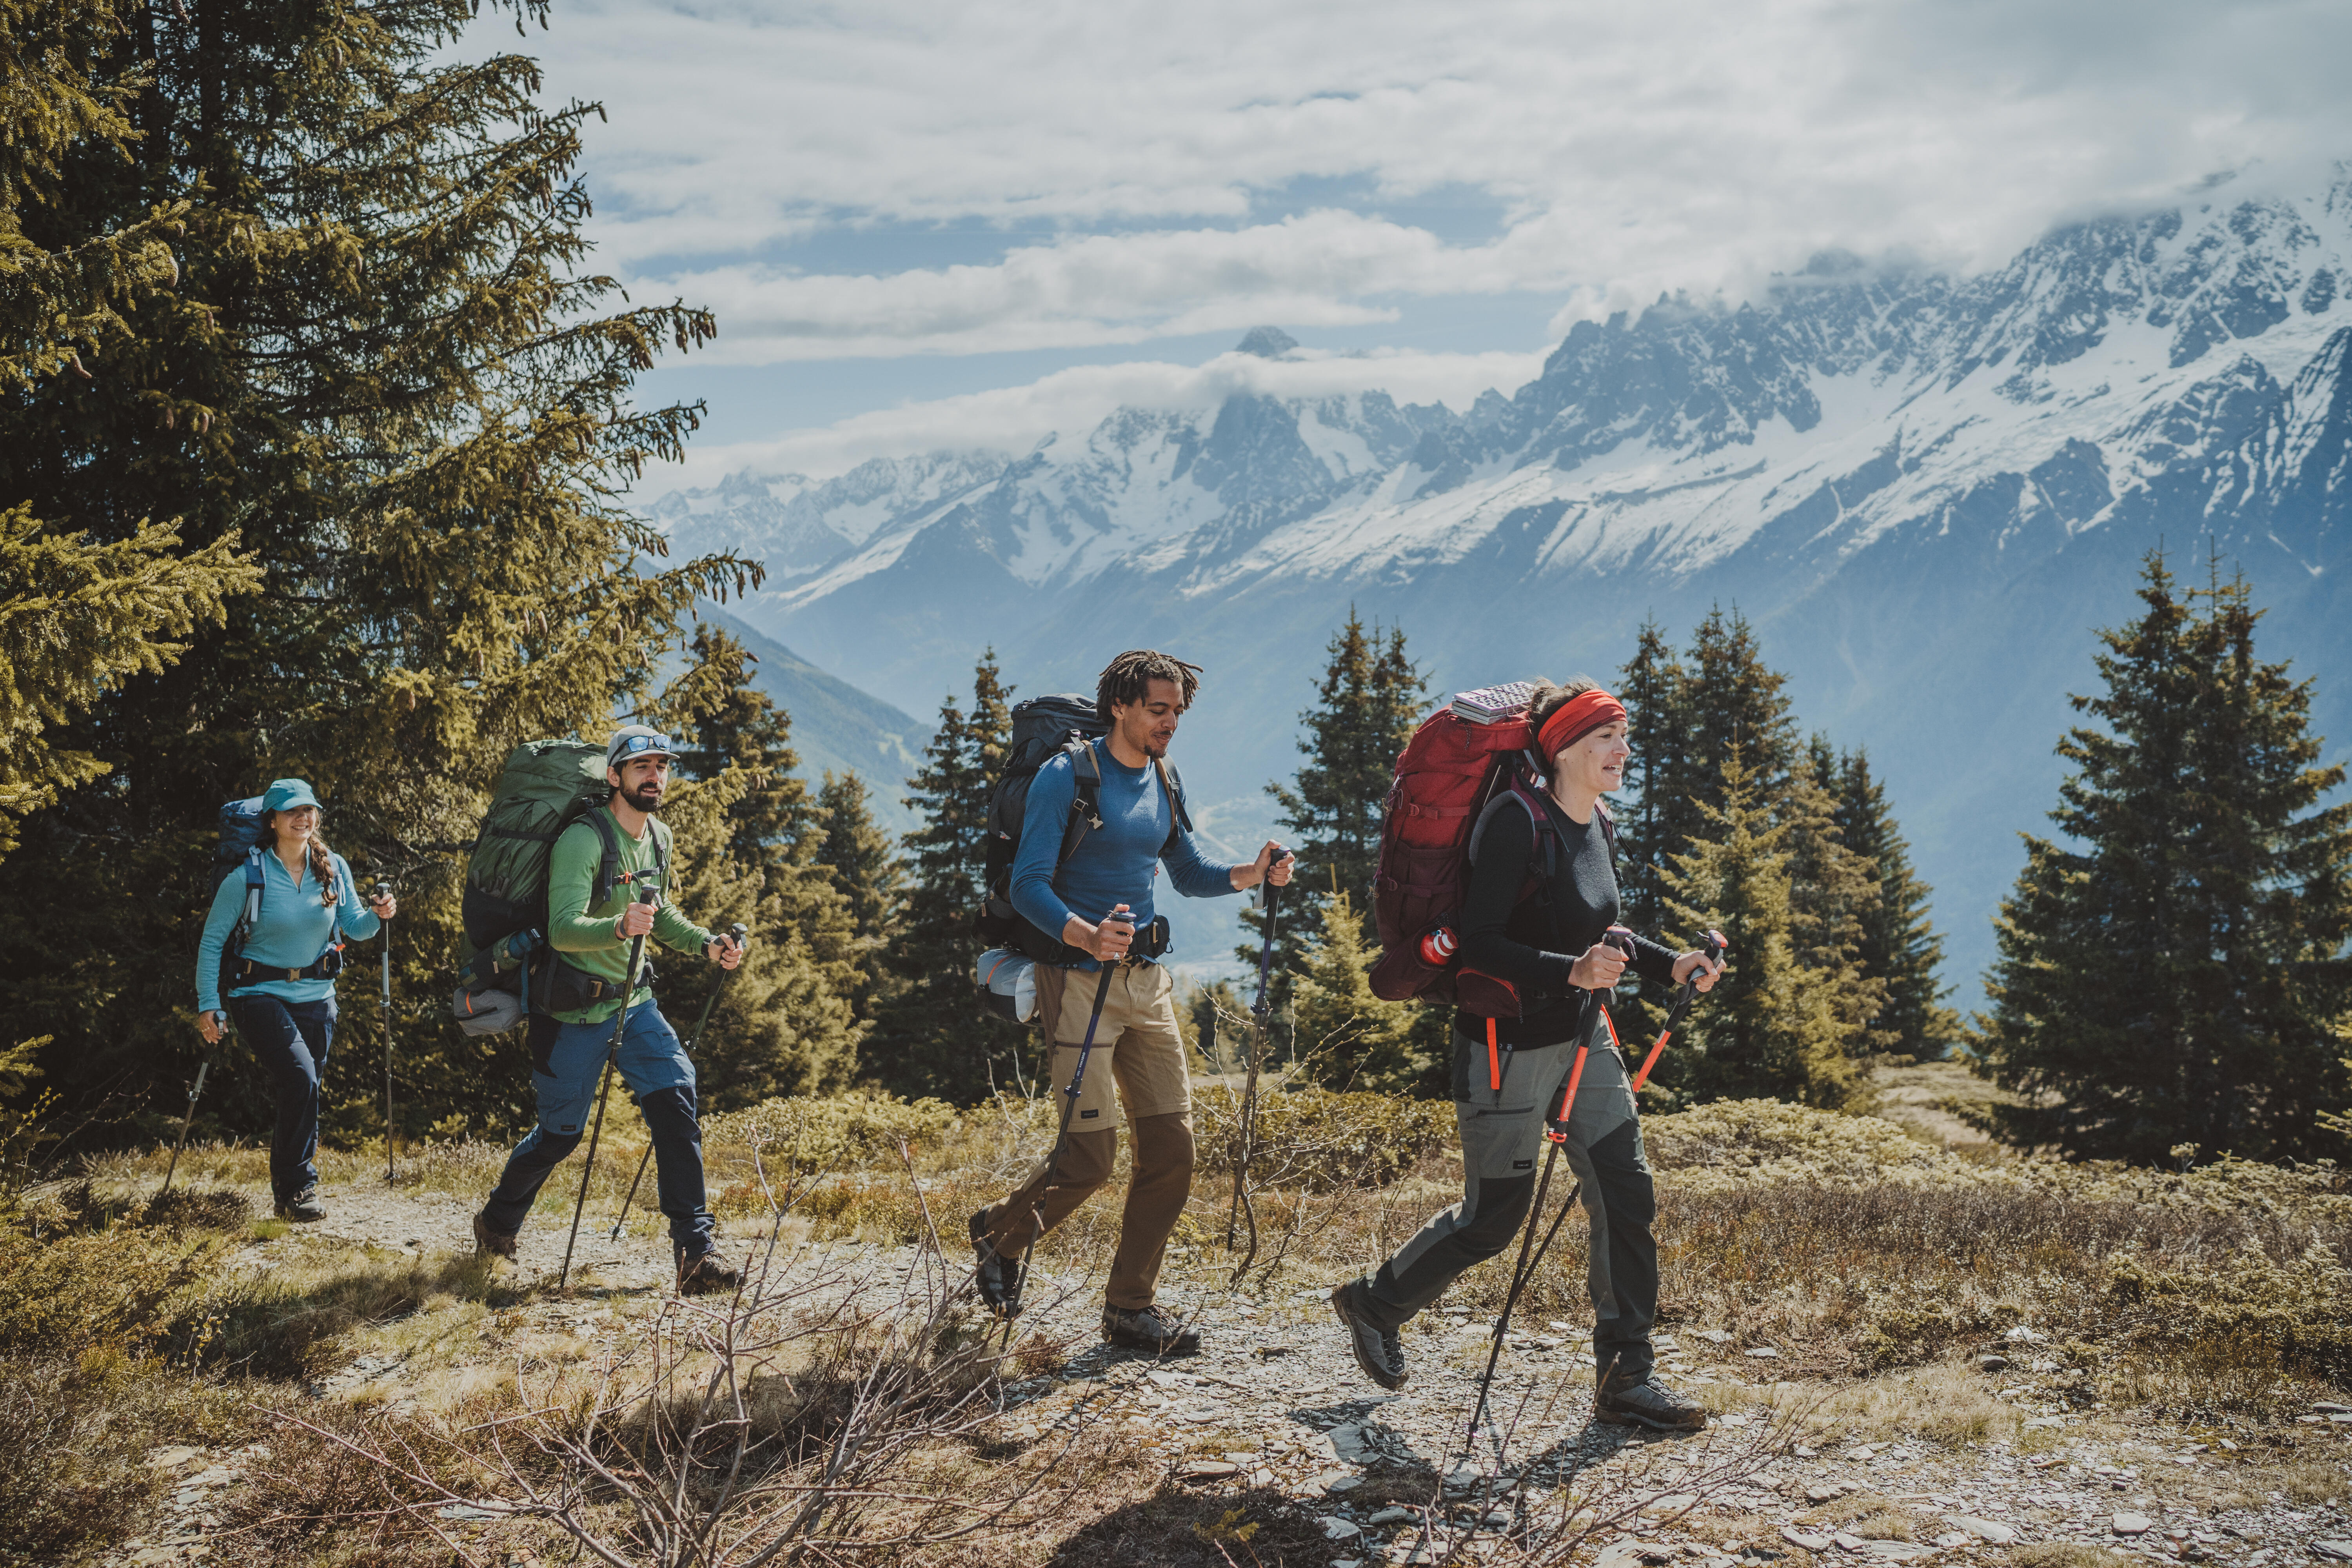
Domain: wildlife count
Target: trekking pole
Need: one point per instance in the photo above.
(1069, 1110)
(1243, 1205)
(1715, 948)
(194, 1090)
(384, 890)
(738, 930)
(603, 1083)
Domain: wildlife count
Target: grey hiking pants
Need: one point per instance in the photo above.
(1502, 1154)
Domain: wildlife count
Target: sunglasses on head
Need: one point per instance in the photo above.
(636, 743)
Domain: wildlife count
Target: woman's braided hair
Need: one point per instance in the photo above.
(1127, 680)
(322, 859)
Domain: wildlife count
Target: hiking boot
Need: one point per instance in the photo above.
(1379, 1351)
(706, 1273)
(1648, 1403)
(303, 1206)
(1149, 1329)
(994, 1275)
(488, 1243)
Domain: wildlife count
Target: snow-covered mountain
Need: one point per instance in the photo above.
(1926, 491)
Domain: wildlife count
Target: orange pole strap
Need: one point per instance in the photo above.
(1494, 1058)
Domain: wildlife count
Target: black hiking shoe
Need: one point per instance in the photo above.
(1379, 1351)
(994, 1275)
(488, 1243)
(705, 1274)
(1648, 1403)
(303, 1208)
(1149, 1329)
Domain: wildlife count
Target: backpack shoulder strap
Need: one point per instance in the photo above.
(1086, 803)
(251, 917)
(1173, 783)
(608, 865)
(1546, 836)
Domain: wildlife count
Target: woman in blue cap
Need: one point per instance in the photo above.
(280, 974)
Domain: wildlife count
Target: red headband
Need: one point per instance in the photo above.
(1576, 717)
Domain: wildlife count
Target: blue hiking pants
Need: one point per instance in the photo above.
(568, 1059)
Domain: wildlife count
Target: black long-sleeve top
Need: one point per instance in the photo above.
(1533, 948)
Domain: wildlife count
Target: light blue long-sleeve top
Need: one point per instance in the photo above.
(290, 935)
(1113, 864)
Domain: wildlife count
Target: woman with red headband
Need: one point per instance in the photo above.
(1547, 952)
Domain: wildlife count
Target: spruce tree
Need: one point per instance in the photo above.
(2172, 971)
(932, 1036)
(1772, 1027)
(1368, 702)
(1832, 893)
(1348, 1038)
(1900, 946)
(78, 615)
(860, 859)
(375, 365)
(1688, 717)
(1658, 775)
(747, 850)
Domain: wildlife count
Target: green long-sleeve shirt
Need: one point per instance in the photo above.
(584, 934)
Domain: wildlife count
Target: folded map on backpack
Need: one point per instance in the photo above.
(1493, 704)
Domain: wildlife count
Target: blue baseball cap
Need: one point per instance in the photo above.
(285, 794)
(637, 741)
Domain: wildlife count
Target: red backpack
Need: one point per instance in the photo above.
(1452, 771)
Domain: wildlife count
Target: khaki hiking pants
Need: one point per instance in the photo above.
(1138, 1051)
(1502, 1154)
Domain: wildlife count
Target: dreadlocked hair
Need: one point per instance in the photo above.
(320, 859)
(1127, 680)
(1551, 697)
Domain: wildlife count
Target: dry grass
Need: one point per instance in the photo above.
(1877, 1263)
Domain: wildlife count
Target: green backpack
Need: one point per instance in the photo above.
(545, 787)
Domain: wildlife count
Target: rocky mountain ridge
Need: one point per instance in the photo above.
(1926, 490)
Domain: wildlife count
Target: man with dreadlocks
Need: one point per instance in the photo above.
(1141, 695)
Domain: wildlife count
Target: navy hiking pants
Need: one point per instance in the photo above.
(291, 1039)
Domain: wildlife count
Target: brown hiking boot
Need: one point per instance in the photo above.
(706, 1273)
(303, 1208)
(488, 1243)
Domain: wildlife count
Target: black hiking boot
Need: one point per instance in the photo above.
(1379, 1351)
(1649, 1403)
(488, 1243)
(303, 1208)
(1149, 1329)
(705, 1274)
(996, 1278)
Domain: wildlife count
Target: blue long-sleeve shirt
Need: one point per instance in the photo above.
(1113, 864)
(290, 935)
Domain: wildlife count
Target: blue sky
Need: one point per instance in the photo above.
(942, 225)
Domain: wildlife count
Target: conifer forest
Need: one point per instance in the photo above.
(323, 441)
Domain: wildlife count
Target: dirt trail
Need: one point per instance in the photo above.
(1275, 1407)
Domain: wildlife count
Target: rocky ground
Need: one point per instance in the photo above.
(1275, 1414)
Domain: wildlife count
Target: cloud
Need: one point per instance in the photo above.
(1068, 403)
(1314, 269)
(1131, 149)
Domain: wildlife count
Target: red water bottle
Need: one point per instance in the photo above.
(1437, 947)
